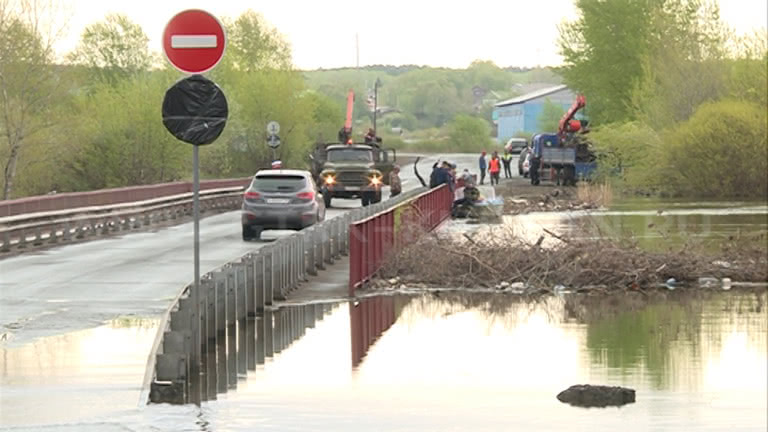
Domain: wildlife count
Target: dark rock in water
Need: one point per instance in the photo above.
(596, 396)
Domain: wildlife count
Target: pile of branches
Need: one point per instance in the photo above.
(499, 260)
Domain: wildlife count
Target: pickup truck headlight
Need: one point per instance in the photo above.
(375, 180)
(329, 179)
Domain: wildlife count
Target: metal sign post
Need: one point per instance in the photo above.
(273, 141)
(195, 111)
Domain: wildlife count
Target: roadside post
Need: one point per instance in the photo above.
(195, 111)
(273, 140)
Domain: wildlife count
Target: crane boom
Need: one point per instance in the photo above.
(350, 107)
(580, 103)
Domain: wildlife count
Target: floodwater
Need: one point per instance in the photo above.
(434, 362)
(652, 223)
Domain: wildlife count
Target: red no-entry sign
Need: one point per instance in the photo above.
(193, 41)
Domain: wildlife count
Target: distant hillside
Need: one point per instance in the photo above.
(415, 97)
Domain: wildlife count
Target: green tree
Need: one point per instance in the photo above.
(549, 117)
(113, 49)
(748, 75)
(655, 60)
(684, 66)
(120, 146)
(28, 84)
(603, 52)
(469, 133)
(252, 45)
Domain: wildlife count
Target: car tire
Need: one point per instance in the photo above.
(248, 233)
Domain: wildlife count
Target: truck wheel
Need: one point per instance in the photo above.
(376, 198)
(569, 174)
(365, 199)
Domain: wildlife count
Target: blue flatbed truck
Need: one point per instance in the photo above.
(565, 157)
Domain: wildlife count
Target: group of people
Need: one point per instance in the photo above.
(443, 173)
(493, 166)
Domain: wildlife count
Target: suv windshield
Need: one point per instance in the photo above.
(350, 155)
(278, 183)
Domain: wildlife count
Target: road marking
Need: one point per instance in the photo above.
(193, 41)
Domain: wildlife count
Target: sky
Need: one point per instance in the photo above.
(425, 32)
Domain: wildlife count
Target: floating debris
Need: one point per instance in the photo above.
(587, 396)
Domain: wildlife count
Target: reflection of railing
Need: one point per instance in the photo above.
(368, 319)
(371, 240)
(227, 354)
(242, 289)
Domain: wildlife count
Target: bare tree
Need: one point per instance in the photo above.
(28, 76)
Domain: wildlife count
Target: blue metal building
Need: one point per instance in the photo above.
(521, 114)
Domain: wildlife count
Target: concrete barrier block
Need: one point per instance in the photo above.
(177, 342)
(269, 276)
(167, 392)
(250, 286)
(241, 300)
(171, 367)
(259, 283)
(231, 297)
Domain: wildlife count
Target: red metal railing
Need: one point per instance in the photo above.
(372, 240)
(70, 200)
(369, 319)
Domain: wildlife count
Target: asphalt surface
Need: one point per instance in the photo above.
(81, 286)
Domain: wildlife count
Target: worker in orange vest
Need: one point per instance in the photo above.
(494, 168)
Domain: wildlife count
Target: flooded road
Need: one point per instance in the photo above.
(435, 363)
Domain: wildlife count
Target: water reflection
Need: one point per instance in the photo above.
(652, 223)
(54, 379)
(489, 362)
(441, 361)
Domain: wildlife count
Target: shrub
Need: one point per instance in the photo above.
(721, 151)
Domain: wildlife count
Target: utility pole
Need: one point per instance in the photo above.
(375, 103)
(357, 50)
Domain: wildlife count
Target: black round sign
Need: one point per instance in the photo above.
(195, 110)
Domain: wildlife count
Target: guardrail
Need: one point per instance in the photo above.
(105, 197)
(31, 230)
(244, 289)
(373, 239)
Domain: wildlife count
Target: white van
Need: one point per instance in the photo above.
(516, 145)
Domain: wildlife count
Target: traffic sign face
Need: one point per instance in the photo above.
(273, 128)
(195, 110)
(273, 141)
(194, 41)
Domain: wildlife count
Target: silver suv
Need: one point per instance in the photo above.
(281, 199)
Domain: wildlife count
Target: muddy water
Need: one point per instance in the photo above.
(433, 363)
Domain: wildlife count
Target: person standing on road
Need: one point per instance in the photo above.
(483, 164)
(395, 185)
(535, 162)
(494, 168)
(506, 159)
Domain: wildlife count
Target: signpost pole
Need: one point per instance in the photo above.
(195, 356)
(195, 111)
